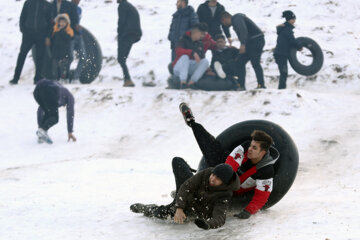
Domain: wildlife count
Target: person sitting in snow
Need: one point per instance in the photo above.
(50, 95)
(224, 58)
(285, 41)
(190, 63)
(61, 46)
(252, 161)
(204, 196)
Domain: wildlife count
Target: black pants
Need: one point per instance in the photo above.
(230, 67)
(28, 41)
(281, 61)
(60, 68)
(254, 49)
(47, 96)
(124, 47)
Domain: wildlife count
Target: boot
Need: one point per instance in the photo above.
(128, 83)
(187, 114)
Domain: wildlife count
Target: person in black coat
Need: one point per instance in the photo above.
(252, 44)
(129, 32)
(35, 26)
(210, 13)
(64, 6)
(285, 41)
(224, 58)
(183, 19)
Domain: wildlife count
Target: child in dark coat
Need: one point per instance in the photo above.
(285, 41)
(60, 46)
(223, 60)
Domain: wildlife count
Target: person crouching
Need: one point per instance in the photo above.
(60, 47)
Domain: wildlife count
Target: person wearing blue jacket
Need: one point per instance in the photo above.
(285, 41)
(183, 19)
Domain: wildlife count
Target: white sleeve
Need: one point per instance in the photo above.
(265, 185)
(238, 154)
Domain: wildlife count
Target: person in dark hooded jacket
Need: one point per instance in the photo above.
(210, 12)
(129, 32)
(285, 41)
(183, 19)
(35, 26)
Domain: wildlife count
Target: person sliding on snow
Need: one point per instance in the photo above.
(205, 196)
(223, 60)
(285, 41)
(251, 160)
(50, 95)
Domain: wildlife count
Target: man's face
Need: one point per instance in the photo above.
(255, 152)
(214, 181)
(62, 23)
(179, 4)
(196, 35)
(226, 21)
(220, 43)
(292, 21)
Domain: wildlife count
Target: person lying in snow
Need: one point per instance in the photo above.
(60, 46)
(251, 161)
(50, 95)
(223, 60)
(205, 196)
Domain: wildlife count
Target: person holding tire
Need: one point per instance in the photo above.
(285, 41)
(252, 161)
(129, 32)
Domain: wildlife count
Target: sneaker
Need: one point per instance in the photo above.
(259, 86)
(42, 134)
(128, 83)
(13, 82)
(187, 114)
(219, 70)
(40, 140)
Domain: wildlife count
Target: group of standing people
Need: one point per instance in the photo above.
(54, 30)
(193, 33)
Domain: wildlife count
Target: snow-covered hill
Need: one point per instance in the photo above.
(127, 137)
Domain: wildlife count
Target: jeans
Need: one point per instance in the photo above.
(281, 61)
(254, 49)
(28, 41)
(78, 45)
(186, 67)
(124, 47)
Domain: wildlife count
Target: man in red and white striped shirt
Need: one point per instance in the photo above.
(253, 161)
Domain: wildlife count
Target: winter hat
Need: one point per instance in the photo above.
(63, 16)
(224, 172)
(288, 15)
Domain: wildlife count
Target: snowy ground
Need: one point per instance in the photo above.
(127, 137)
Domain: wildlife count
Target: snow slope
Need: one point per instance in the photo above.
(127, 137)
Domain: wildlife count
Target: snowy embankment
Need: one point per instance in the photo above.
(127, 137)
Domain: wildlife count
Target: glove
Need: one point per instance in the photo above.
(201, 223)
(243, 214)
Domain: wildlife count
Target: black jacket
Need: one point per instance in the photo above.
(286, 39)
(60, 45)
(245, 28)
(197, 197)
(213, 22)
(224, 55)
(129, 22)
(185, 45)
(36, 17)
(70, 9)
(182, 21)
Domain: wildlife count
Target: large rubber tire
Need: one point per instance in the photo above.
(93, 61)
(317, 54)
(94, 57)
(285, 167)
(207, 83)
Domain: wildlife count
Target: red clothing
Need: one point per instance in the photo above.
(257, 177)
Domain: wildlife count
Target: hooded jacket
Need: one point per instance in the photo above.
(286, 39)
(254, 177)
(197, 197)
(36, 17)
(66, 7)
(61, 38)
(213, 22)
(224, 55)
(129, 22)
(182, 21)
(245, 28)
